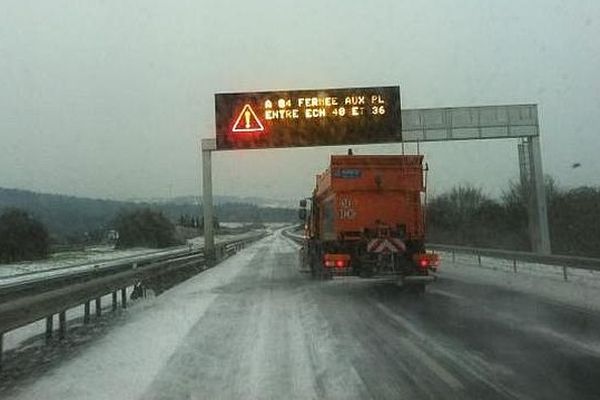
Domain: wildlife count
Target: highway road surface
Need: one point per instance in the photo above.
(270, 332)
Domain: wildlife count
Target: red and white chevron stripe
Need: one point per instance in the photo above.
(386, 245)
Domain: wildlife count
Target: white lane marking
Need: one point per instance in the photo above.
(433, 365)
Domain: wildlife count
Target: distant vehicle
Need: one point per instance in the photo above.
(366, 217)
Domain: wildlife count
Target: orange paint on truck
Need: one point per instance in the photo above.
(362, 190)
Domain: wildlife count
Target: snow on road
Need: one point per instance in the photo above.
(124, 362)
(263, 338)
(233, 316)
(255, 328)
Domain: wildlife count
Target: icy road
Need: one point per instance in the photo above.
(255, 328)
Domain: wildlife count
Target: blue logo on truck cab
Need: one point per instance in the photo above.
(347, 173)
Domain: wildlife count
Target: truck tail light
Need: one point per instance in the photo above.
(336, 260)
(427, 260)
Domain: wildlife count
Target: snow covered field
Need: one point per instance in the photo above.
(93, 257)
(92, 254)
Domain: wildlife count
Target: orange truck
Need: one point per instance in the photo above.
(366, 218)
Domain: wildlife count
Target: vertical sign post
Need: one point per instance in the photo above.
(208, 146)
(532, 183)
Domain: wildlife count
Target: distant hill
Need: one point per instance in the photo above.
(258, 201)
(69, 217)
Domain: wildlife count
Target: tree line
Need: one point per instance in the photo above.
(24, 237)
(465, 215)
(75, 220)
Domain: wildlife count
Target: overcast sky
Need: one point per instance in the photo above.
(110, 98)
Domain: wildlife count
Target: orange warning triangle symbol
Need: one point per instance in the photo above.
(247, 121)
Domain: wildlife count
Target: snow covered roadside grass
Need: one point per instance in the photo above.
(126, 360)
(92, 254)
(582, 289)
(93, 257)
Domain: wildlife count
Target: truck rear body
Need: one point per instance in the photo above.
(370, 208)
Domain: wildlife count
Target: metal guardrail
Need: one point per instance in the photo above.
(587, 263)
(566, 262)
(36, 282)
(30, 301)
(56, 272)
(557, 260)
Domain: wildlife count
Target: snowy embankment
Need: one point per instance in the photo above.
(581, 289)
(93, 257)
(89, 255)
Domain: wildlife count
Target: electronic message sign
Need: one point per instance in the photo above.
(319, 117)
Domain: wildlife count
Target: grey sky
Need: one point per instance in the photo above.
(110, 98)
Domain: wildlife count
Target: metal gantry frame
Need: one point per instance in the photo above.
(533, 184)
(208, 146)
(518, 121)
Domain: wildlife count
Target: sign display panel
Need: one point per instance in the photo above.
(319, 117)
